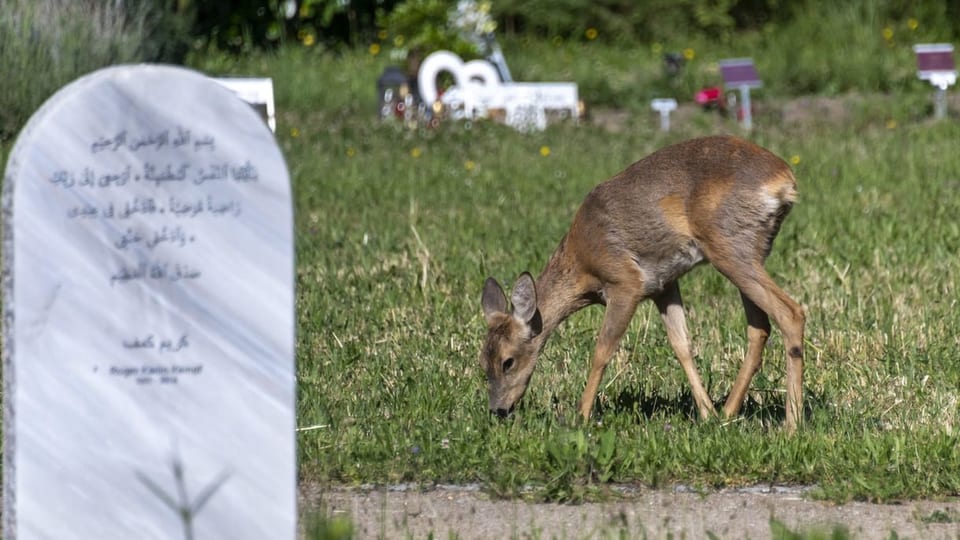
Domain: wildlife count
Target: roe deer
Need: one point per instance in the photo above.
(720, 199)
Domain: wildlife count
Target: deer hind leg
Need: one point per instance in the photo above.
(758, 330)
(670, 304)
(757, 286)
(621, 305)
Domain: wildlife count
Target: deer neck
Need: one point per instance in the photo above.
(559, 293)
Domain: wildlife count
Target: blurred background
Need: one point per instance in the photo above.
(621, 53)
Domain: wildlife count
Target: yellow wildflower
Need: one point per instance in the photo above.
(375, 49)
(544, 151)
(591, 34)
(689, 53)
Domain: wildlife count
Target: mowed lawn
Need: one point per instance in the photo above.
(397, 229)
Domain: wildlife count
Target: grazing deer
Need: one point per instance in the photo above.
(717, 199)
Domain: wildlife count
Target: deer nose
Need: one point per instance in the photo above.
(501, 413)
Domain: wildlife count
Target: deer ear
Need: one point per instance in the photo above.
(524, 298)
(494, 300)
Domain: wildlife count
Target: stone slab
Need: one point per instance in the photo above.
(149, 316)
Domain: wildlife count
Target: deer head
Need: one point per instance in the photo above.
(510, 351)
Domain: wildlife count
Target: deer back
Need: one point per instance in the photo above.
(706, 198)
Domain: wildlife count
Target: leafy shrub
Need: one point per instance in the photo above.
(874, 53)
(625, 21)
(243, 25)
(419, 27)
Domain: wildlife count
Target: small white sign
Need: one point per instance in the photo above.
(664, 106)
(258, 92)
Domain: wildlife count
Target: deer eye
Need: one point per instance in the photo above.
(507, 364)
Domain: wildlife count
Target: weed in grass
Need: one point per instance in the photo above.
(569, 466)
(322, 527)
(779, 531)
(941, 516)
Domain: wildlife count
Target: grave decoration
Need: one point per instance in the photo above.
(710, 98)
(478, 92)
(395, 93)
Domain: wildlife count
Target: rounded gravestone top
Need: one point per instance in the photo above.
(149, 319)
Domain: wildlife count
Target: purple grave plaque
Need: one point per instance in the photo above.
(740, 73)
(935, 64)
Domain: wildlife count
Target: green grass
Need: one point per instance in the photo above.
(396, 231)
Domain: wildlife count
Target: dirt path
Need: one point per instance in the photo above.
(468, 513)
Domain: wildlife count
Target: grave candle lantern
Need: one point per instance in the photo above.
(392, 91)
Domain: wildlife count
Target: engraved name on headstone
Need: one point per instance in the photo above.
(148, 316)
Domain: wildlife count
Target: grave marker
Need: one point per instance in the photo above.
(148, 316)
(740, 73)
(935, 64)
(664, 106)
(258, 92)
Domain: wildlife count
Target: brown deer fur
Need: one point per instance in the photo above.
(717, 199)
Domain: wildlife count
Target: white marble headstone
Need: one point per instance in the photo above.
(148, 316)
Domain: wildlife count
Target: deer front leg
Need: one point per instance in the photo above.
(621, 305)
(670, 304)
(758, 330)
